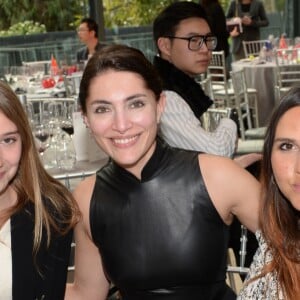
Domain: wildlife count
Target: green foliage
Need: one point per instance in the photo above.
(132, 12)
(55, 14)
(280, 4)
(60, 15)
(24, 28)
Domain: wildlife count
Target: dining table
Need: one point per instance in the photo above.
(80, 170)
(260, 75)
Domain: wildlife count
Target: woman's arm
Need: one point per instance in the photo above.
(89, 280)
(233, 190)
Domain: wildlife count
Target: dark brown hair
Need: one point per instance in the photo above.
(279, 220)
(119, 58)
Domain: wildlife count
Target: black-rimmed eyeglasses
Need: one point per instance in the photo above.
(195, 42)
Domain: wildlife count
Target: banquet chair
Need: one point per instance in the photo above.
(253, 47)
(219, 79)
(233, 276)
(245, 103)
(287, 71)
(205, 82)
(41, 105)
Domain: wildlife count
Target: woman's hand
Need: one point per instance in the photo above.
(246, 20)
(235, 32)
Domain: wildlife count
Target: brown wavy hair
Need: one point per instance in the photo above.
(119, 58)
(279, 221)
(55, 208)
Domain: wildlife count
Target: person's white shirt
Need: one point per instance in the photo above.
(5, 262)
(180, 128)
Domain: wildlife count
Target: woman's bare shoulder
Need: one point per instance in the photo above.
(211, 161)
(83, 191)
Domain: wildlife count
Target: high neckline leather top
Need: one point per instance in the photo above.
(160, 237)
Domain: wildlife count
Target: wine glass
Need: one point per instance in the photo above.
(42, 133)
(67, 120)
(55, 112)
(65, 151)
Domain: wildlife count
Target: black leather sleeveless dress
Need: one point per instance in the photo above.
(160, 237)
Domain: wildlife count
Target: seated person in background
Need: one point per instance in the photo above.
(184, 43)
(154, 224)
(275, 271)
(88, 34)
(37, 213)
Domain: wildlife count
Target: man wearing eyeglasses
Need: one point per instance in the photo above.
(185, 43)
(88, 34)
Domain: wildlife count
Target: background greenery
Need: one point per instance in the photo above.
(32, 16)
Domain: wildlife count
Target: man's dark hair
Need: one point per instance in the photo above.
(166, 23)
(91, 24)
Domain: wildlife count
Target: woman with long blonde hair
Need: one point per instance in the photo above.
(37, 213)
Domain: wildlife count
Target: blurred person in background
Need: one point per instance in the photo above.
(253, 16)
(88, 34)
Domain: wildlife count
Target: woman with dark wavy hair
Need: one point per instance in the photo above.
(275, 271)
(155, 219)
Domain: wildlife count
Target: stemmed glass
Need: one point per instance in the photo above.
(42, 133)
(67, 120)
(55, 112)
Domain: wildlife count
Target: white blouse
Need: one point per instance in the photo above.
(5, 262)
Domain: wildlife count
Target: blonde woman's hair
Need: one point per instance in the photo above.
(55, 209)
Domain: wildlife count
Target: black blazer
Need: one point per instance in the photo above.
(28, 283)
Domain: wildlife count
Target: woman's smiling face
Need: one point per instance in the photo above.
(286, 156)
(10, 152)
(123, 116)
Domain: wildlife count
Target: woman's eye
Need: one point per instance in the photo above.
(286, 146)
(137, 104)
(9, 140)
(101, 109)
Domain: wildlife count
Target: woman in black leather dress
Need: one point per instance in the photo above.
(158, 216)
